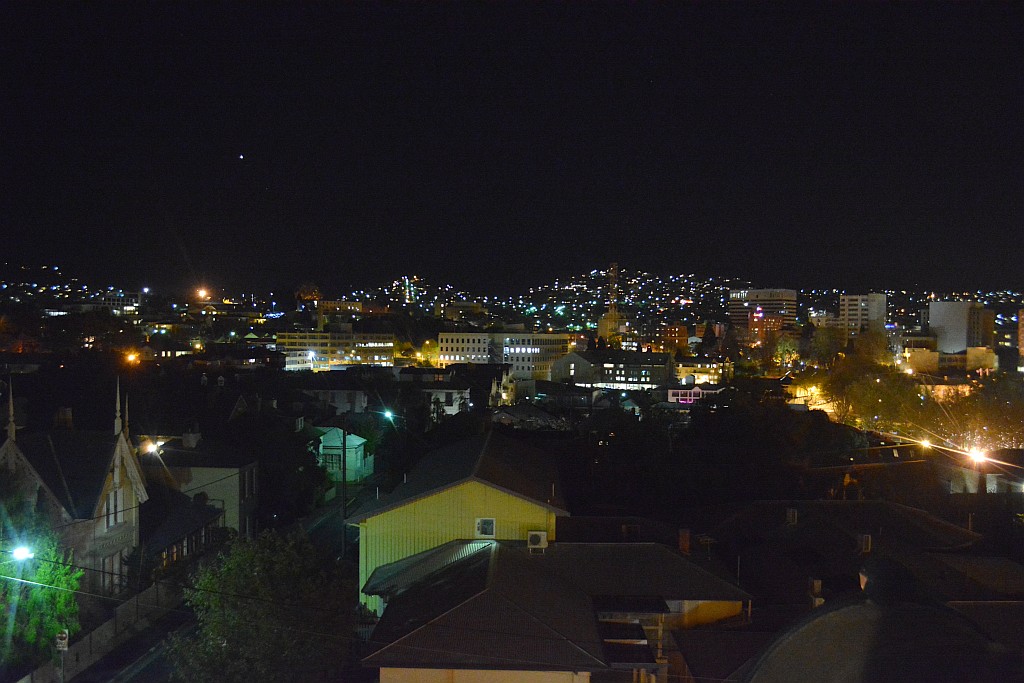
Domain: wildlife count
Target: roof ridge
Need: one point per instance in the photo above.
(60, 473)
(480, 456)
(547, 626)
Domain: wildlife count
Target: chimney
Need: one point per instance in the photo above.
(190, 439)
(62, 420)
(684, 541)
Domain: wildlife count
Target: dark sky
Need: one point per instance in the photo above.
(498, 146)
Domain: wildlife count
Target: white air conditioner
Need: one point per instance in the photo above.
(537, 539)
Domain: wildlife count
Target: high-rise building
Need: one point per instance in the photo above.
(860, 312)
(773, 302)
(960, 325)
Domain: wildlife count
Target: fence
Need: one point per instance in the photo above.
(130, 618)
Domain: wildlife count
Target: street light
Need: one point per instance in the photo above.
(22, 552)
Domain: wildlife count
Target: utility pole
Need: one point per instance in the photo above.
(344, 486)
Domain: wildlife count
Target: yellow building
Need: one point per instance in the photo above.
(488, 487)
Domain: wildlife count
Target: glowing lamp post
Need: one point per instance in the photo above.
(978, 456)
(22, 553)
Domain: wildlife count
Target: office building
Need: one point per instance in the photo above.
(772, 302)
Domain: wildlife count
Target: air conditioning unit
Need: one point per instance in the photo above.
(537, 539)
(865, 543)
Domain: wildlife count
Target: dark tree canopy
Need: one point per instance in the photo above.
(268, 610)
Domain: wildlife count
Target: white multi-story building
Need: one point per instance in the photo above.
(529, 354)
(773, 302)
(316, 350)
(861, 312)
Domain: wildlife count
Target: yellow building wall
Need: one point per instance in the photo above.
(388, 675)
(700, 612)
(445, 516)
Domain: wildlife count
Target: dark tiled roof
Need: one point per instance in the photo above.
(169, 516)
(73, 464)
(491, 458)
(825, 543)
(635, 570)
(494, 604)
(715, 655)
(492, 609)
(864, 641)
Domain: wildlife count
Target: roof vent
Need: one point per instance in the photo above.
(791, 516)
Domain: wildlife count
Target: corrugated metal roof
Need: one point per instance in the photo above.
(491, 458)
(391, 577)
(635, 569)
(493, 604)
(490, 609)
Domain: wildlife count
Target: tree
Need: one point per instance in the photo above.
(709, 342)
(37, 594)
(730, 347)
(267, 610)
(825, 344)
(785, 352)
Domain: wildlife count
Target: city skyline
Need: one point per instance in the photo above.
(860, 147)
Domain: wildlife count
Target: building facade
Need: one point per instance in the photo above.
(529, 354)
(960, 325)
(774, 302)
(614, 369)
(859, 312)
(324, 350)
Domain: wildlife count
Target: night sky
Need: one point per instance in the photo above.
(498, 146)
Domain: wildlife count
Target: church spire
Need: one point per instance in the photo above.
(126, 414)
(117, 409)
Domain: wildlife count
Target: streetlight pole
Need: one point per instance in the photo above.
(344, 487)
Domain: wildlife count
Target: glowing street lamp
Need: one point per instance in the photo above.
(22, 553)
(977, 455)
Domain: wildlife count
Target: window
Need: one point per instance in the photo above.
(114, 506)
(485, 527)
(110, 573)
